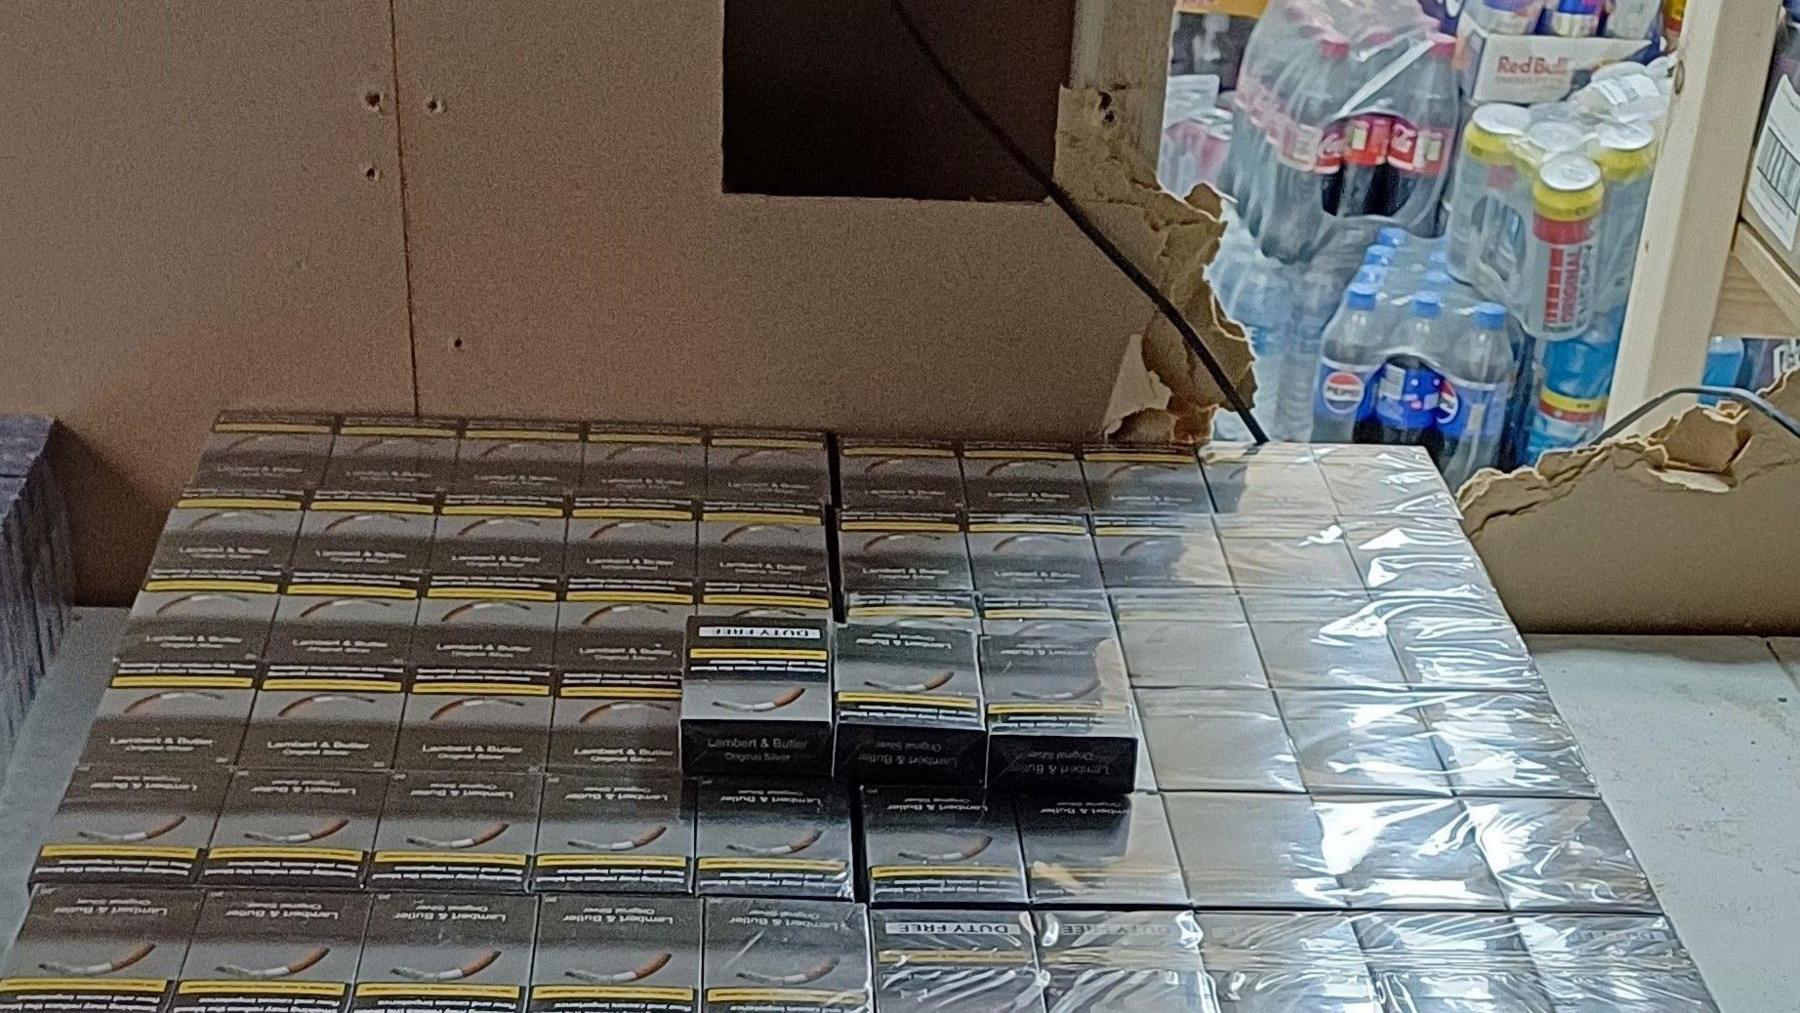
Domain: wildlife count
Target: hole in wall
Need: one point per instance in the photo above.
(371, 173)
(372, 99)
(829, 98)
(434, 105)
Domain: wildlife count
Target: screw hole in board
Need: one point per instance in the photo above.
(372, 99)
(434, 105)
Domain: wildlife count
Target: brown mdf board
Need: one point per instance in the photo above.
(190, 223)
(573, 251)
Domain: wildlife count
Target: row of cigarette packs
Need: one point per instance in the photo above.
(249, 450)
(95, 949)
(36, 572)
(901, 846)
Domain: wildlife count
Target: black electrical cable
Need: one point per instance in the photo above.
(1061, 199)
(1756, 401)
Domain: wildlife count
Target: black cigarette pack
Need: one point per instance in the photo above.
(394, 453)
(1020, 553)
(908, 706)
(476, 718)
(773, 838)
(446, 953)
(1100, 852)
(756, 697)
(332, 693)
(754, 557)
(876, 474)
(1159, 550)
(936, 961)
(292, 828)
(1059, 711)
(270, 951)
(1117, 960)
(617, 723)
(1144, 479)
(91, 948)
(519, 454)
(457, 830)
(624, 833)
(617, 954)
(795, 956)
(924, 847)
(183, 680)
(1006, 477)
(132, 825)
(902, 551)
(767, 466)
(631, 460)
(613, 541)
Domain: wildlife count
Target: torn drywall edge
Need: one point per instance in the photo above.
(1163, 390)
(1622, 536)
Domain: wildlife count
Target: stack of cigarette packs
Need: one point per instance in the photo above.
(36, 571)
(495, 714)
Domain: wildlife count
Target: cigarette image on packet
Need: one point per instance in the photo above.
(127, 825)
(295, 828)
(446, 952)
(91, 948)
(449, 830)
(273, 951)
(613, 953)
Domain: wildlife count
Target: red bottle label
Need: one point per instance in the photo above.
(1402, 145)
(1367, 139)
(1331, 149)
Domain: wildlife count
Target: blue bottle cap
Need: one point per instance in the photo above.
(1392, 235)
(1361, 295)
(1490, 316)
(1437, 281)
(1427, 304)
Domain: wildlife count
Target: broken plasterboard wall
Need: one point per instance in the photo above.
(1163, 391)
(1689, 529)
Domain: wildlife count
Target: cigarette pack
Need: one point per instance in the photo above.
(908, 706)
(767, 466)
(923, 847)
(256, 430)
(757, 556)
(773, 838)
(1059, 711)
(896, 551)
(797, 956)
(613, 542)
(613, 723)
(876, 474)
(1146, 479)
(457, 830)
(1274, 478)
(1003, 477)
(202, 508)
(632, 460)
(1046, 613)
(1091, 852)
(756, 697)
(265, 951)
(1187, 638)
(389, 454)
(617, 954)
(300, 829)
(332, 693)
(1117, 960)
(446, 953)
(132, 825)
(625, 832)
(519, 455)
(476, 718)
(90, 948)
(935, 961)
(248, 468)
(1032, 553)
(1159, 550)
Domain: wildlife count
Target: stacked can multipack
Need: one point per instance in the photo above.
(964, 726)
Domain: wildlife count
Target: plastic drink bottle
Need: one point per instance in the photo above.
(1483, 175)
(1315, 301)
(1349, 355)
(1473, 396)
(1423, 138)
(1626, 155)
(1558, 272)
(1290, 221)
(1406, 388)
(1576, 379)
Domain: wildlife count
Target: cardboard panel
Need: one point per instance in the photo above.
(572, 252)
(190, 223)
